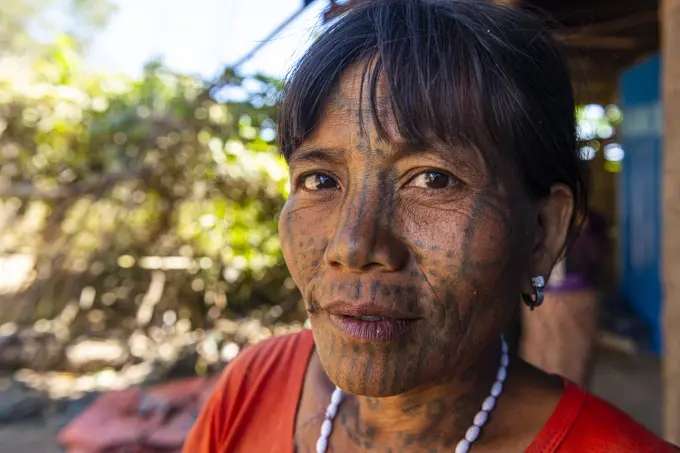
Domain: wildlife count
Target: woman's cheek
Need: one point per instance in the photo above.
(303, 231)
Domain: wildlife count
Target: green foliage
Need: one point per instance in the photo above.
(106, 180)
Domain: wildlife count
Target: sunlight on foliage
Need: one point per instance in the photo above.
(596, 127)
(106, 179)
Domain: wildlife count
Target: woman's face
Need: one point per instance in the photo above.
(426, 244)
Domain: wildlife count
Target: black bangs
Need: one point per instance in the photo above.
(459, 72)
(433, 74)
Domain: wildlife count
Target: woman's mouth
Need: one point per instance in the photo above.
(369, 318)
(372, 328)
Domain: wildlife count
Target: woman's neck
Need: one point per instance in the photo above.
(432, 416)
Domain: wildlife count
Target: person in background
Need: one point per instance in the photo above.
(561, 338)
(435, 180)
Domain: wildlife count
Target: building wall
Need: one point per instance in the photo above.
(669, 16)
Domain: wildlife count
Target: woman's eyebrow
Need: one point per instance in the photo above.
(455, 155)
(317, 155)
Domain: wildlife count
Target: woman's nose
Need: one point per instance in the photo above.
(365, 238)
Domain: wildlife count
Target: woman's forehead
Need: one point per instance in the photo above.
(352, 94)
(359, 115)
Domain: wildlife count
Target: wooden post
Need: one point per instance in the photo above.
(669, 17)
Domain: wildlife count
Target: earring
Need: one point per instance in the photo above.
(535, 299)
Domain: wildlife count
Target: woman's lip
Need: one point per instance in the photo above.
(384, 330)
(367, 308)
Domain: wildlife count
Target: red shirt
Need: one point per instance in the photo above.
(253, 409)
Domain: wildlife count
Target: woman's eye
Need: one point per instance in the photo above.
(432, 180)
(318, 181)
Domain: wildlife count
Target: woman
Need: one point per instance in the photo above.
(435, 180)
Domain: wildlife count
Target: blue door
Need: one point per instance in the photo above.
(640, 193)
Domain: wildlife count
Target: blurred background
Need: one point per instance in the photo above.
(140, 186)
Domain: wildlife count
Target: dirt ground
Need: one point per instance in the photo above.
(630, 382)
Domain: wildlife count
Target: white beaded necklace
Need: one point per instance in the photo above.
(470, 436)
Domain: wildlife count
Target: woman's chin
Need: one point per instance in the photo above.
(369, 372)
(357, 387)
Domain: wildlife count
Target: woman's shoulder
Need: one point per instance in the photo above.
(584, 423)
(278, 362)
(262, 384)
(607, 428)
(265, 357)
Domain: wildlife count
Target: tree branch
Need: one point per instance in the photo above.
(28, 190)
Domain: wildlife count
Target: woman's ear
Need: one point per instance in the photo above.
(554, 220)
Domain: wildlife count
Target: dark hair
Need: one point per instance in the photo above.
(467, 72)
